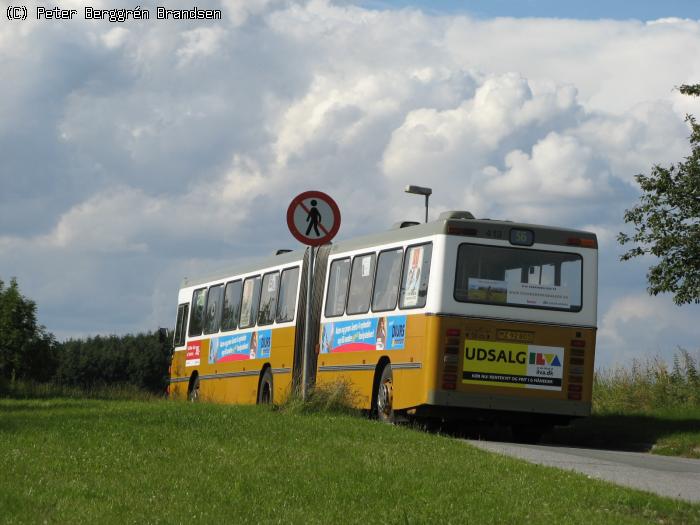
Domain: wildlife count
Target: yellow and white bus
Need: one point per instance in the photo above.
(456, 318)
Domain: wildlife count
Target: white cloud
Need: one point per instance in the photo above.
(559, 168)
(334, 113)
(199, 43)
(614, 64)
(649, 133)
(638, 324)
(500, 107)
(115, 38)
(123, 219)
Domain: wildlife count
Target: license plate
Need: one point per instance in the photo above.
(514, 335)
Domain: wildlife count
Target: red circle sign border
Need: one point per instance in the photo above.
(303, 238)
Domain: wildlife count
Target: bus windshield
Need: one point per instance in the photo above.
(518, 277)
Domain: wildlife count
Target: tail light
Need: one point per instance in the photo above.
(576, 369)
(580, 241)
(450, 359)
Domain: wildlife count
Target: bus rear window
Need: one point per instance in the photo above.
(518, 277)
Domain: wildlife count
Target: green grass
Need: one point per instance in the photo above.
(69, 460)
(34, 390)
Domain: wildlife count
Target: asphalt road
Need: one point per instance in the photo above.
(667, 476)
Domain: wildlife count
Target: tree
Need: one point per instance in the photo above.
(26, 349)
(667, 221)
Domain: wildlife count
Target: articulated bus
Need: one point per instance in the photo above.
(454, 319)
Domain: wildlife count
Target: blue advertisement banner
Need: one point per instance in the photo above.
(239, 347)
(363, 335)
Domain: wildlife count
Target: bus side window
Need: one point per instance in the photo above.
(199, 301)
(416, 274)
(386, 285)
(361, 280)
(232, 305)
(288, 295)
(268, 298)
(250, 302)
(337, 287)
(182, 311)
(212, 319)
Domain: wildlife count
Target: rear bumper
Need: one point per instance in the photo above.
(561, 407)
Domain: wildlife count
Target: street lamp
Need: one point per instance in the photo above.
(420, 190)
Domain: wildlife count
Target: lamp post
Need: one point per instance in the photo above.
(420, 190)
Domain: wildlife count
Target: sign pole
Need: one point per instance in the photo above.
(307, 327)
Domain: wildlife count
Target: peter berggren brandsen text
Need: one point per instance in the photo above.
(124, 15)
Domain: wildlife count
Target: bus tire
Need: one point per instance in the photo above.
(384, 401)
(265, 388)
(193, 391)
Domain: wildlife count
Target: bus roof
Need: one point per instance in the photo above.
(446, 224)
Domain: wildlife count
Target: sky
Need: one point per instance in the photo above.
(135, 154)
(589, 10)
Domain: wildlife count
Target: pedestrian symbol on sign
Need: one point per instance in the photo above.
(313, 218)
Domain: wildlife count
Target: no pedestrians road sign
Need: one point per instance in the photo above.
(313, 218)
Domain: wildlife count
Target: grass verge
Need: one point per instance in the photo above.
(33, 390)
(69, 460)
(647, 407)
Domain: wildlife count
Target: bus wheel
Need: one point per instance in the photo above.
(265, 388)
(385, 396)
(193, 393)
